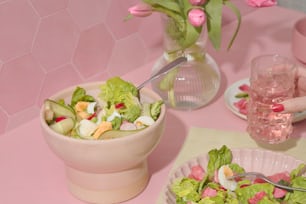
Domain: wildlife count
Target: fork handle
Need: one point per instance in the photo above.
(288, 188)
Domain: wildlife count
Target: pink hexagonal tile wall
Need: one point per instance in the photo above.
(58, 79)
(116, 14)
(18, 24)
(47, 45)
(94, 50)
(56, 40)
(47, 7)
(88, 13)
(20, 83)
(128, 54)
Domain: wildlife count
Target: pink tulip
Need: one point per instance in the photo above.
(197, 2)
(261, 3)
(141, 10)
(196, 17)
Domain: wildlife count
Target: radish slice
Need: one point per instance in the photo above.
(128, 126)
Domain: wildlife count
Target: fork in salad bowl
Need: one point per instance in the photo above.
(265, 178)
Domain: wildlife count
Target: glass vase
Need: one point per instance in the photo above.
(192, 84)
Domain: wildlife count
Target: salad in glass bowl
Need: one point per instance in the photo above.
(116, 112)
(194, 183)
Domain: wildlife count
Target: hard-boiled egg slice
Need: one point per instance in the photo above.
(143, 121)
(113, 116)
(223, 174)
(87, 128)
(91, 107)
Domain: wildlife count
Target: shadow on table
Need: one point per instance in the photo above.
(170, 144)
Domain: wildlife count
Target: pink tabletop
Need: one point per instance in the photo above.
(30, 173)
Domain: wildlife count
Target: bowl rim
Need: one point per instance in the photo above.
(92, 85)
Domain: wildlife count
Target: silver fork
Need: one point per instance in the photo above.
(265, 178)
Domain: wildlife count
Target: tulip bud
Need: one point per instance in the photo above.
(197, 2)
(141, 10)
(196, 17)
(261, 3)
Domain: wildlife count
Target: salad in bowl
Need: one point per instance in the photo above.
(197, 183)
(117, 111)
(104, 132)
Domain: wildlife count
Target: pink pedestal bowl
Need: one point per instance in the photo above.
(105, 171)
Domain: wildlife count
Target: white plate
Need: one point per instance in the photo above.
(230, 99)
(264, 161)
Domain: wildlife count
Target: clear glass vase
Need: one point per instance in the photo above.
(192, 84)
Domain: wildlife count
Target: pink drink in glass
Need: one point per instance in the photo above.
(270, 84)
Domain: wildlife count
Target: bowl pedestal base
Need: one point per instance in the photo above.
(107, 188)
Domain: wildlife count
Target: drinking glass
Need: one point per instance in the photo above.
(272, 80)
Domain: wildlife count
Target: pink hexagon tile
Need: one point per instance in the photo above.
(116, 14)
(3, 121)
(58, 79)
(20, 82)
(18, 24)
(102, 76)
(93, 51)
(128, 54)
(56, 40)
(88, 13)
(47, 7)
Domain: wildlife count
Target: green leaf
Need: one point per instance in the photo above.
(185, 7)
(213, 11)
(191, 36)
(79, 94)
(218, 158)
(167, 5)
(238, 15)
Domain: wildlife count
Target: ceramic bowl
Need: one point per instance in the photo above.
(105, 171)
(257, 160)
(299, 40)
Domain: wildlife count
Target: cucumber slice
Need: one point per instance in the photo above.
(63, 126)
(59, 109)
(242, 95)
(112, 134)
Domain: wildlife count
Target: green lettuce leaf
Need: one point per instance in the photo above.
(218, 158)
(297, 197)
(186, 189)
(237, 169)
(79, 94)
(116, 91)
(295, 172)
(247, 192)
(155, 109)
